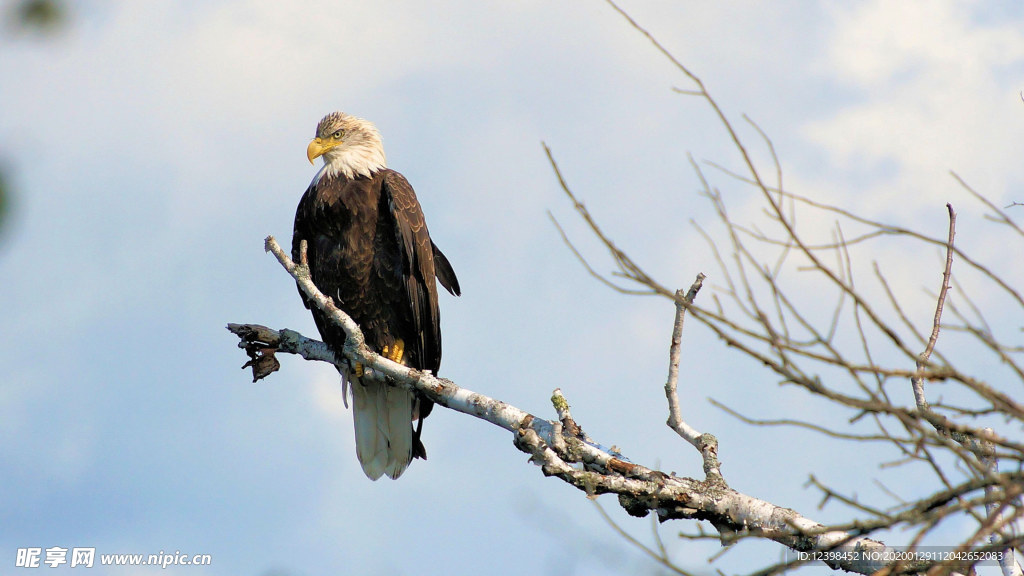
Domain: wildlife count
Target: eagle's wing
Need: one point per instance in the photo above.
(299, 231)
(444, 271)
(413, 268)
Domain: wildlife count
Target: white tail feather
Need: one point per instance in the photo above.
(383, 422)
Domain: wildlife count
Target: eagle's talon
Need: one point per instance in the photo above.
(396, 352)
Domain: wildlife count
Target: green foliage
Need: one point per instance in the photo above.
(41, 16)
(32, 16)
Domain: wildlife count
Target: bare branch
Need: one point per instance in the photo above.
(660, 556)
(1000, 216)
(580, 463)
(706, 444)
(922, 362)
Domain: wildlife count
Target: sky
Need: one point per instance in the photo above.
(152, 146)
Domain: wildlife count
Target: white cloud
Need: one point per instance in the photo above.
(933, 89)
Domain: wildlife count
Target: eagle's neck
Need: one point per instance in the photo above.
(352, 161)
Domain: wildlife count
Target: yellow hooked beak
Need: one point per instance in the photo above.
(317, 147)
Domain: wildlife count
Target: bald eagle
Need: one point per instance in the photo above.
(368, 248)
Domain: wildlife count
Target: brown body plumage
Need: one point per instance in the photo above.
(369, 250)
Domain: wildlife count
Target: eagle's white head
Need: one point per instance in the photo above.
(350, 147)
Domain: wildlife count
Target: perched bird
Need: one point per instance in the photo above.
(368, 248)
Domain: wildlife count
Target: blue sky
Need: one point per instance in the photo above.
(154, 145)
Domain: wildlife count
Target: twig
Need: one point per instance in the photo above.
(808, 425)
(706, 444)
(917, 382)
(660, 556)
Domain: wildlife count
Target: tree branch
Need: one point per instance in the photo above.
(917, 382)
(706, 444)
(576, 461)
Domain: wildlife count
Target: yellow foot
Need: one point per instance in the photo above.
(396, 352)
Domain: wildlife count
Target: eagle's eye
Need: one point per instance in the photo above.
(338, 134)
